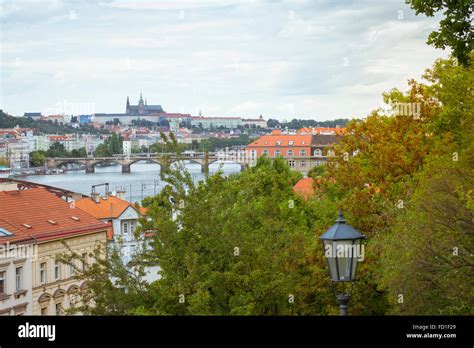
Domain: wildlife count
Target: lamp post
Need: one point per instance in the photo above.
(342, 245)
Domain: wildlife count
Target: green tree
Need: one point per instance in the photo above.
(427, 254)
(37, 158)
(79, 152)
(102, 150)
(57, 150)
(455, 29)
(254, 251)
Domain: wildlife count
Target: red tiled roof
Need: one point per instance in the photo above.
(36, 213)
(284, 139)
(304, 187)
(110, 208)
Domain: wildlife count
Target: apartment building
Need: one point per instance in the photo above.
(302, 151)
(38, 283)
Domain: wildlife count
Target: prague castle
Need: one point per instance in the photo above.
(143, 108)
(156, 114)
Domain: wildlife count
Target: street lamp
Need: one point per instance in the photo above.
(343, 249)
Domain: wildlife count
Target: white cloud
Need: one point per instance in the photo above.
(281, 59)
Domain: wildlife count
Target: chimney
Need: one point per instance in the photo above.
(121, 194)
(95, 196)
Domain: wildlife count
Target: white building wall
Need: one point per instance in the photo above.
(129, 243)
(15, 300)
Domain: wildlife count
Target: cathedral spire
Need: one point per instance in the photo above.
(127, 107)
(141, 98)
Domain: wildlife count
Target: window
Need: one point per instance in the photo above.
(277, 153)
(253, 154)
(58, 309)
(125, 228)
(290, 143)
(132, 226)
(57, 270)
(19, 278)
(71, 270)
(289, 153)
(3, 287)
(4, 232)
(84, 261)
(318, 163)
(265, 152)
(302, 152)
(278, 142)
(303, 163)
(318, 152)
(291, 163)
(43, 273)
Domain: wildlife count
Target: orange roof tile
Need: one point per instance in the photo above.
(304, 187)
(39, 214)
(284, 139)
(109, 208)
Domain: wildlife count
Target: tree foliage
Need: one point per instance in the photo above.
(245, 244)
(455, 29)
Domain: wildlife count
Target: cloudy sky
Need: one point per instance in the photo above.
(280, 58)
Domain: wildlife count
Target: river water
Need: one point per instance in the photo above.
(144, 179)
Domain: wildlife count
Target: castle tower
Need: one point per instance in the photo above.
(141, 105)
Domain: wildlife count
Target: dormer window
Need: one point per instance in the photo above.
(302, 143)
(75, 218)
(27, 226)
(4, 233)
(52, 222)
(278, 142)
(291, 142)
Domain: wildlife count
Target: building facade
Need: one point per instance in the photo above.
(39, 283)
(124, 218)
(302, 152)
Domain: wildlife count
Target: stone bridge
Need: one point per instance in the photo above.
(203, 159)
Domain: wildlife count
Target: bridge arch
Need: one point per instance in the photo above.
(154, 160)
(60, 163)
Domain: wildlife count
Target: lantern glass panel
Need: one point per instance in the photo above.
(347, 254)
(329, 247)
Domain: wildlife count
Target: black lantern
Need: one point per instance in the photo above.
(343, 250)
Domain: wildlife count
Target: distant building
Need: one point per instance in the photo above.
(156, 115)
(302, 152)
(216, 122)
(15, 151)
(33, 115)
(54, 118)
(127, 147)
(142, 108)
(85, 119)
(254, 122)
